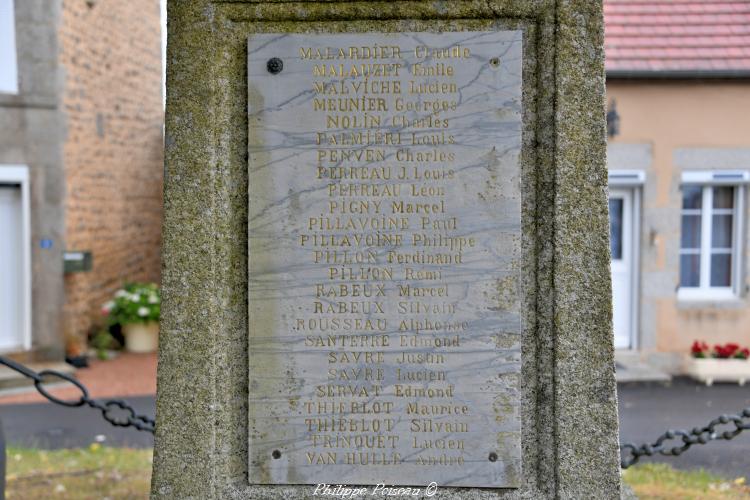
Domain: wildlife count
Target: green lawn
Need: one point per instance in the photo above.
(101, 472)
(94, 472)
(662, 482)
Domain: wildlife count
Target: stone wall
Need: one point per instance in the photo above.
(30, 136)
(110, 55)
(679, 126)
(569, 410)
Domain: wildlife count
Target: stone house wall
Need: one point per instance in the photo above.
(668, 127)
(110, 55)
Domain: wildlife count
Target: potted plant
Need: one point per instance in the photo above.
(136, 308)
(727, 363)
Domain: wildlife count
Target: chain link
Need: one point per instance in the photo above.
(671, 443)
(108, 407)
(676, 442)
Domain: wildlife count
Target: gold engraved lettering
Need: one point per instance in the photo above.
(360, 173)
(382, 219)
(321, 458)
(428, 425)
(440, 444)
(338, 324)
(420, 375)
(432, 461)
(452, 52)
(360, 273)
(445, 224)
(367, 52)
(433, 156)
(424, 105)
(422, 274)
(429, 342)
(360, 87)
(431, 325)
(354, 206)
(439, 69)
(363, 458)
(365, 120)
(419, 307)
(417, 87)
(357, 441)
(356, 70)
(416, 408)
(368, 357)
(348, 374)
(342, 424)
(360, 138)
(338, 257)
(358, 223)
(418, 391)
(352, 341)
(362, 307)
(349, 104)
(351, 290)
(402, 207)
(428, 291)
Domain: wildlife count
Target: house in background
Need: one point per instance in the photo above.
(80, 164)
(678, 88)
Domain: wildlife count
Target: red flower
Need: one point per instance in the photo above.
(699, 349)
(729, 350)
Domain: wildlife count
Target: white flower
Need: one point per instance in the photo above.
(143, 312)
(135, 298)
(121, 293)
(153, 299)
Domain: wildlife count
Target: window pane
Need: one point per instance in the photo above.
(691, 231)
(721, 269)
(692, 196)
(690, 270)
(615, 227)
(723, 197)
(721, 231)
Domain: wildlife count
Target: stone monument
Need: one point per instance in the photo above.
(385, 252)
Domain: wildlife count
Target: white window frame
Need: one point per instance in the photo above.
(707, 180)
(8, 57)
(19, 175)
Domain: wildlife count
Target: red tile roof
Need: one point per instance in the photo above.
(677, 37)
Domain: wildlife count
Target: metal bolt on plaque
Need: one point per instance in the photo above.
(275, 65)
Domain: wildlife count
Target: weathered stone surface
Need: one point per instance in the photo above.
(568, 403)
(385, 258)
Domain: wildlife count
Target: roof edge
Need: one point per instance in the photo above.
(670, 74)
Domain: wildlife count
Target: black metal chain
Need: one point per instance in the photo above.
(683, 440)
(630, 452)
(107, 406)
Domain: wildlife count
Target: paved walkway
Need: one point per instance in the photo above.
(125, 376)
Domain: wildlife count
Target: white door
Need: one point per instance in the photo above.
(621, 247)
(11, 268)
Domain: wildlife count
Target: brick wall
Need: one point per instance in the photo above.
(110, 54)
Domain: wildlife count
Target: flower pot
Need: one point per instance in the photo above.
(710, 370)
(141, 337)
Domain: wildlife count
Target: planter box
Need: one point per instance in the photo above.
(141, 337)
(712, 370)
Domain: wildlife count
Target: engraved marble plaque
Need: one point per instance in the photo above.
(385, 258)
